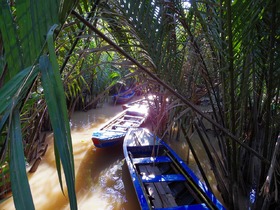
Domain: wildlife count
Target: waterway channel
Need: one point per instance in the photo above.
(102, 179)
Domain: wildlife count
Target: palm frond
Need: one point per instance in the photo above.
(20, 186)
(24, 26)
(55, 98)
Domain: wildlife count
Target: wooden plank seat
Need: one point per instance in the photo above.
(121, 129)
(132, 116)
(122, 126)
(144, 148)
(164, 178)
(145, 160)
(129, 121)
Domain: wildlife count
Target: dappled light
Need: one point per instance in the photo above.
(206, 72)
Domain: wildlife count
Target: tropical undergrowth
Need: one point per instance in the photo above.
(186, 53)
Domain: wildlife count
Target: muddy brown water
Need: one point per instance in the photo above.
(102, 179)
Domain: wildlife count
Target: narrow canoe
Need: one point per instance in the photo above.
(143, 102)
(123, 97)
(113, 131)
(161, 178)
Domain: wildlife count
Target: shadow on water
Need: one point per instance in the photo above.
(103, 180)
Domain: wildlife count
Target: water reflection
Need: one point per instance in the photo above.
(102, 179)
(103, 182)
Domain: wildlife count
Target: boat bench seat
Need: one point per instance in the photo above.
(130, 121)
(147, 160)
(121, 126)
(186, 207)
(142, 146)
(164, 178)
(132, 116)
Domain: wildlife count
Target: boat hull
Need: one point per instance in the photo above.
(114, 131)
(122, 98)
(161, 178)
(107, 139)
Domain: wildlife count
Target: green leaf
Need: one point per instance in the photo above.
(20, 186)
(56, 102)
(10, 40)
(17, 87)
(65, 8)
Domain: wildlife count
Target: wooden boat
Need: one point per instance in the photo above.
(123, 97)
(143, 102)
(161, 179)
(114, 131)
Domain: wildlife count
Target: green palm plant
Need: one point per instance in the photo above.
(24, 32)
(244, 66)
(24, 90)
(224, 45)
(90, 67)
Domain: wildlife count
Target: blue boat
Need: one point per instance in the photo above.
(161, 178)
(113, 131)
(123, 97)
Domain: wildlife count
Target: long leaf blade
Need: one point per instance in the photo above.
(20, 186)
(55, 98)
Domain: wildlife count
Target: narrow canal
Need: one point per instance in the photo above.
(102, 179)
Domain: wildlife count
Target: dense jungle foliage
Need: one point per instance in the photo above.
(60, 56)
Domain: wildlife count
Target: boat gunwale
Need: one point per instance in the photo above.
(205, 193)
